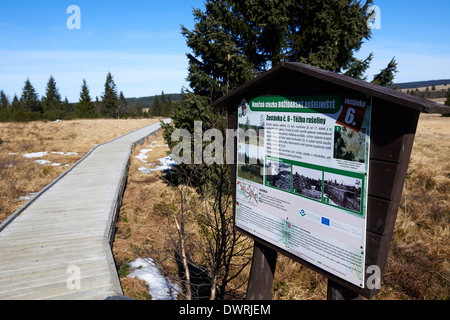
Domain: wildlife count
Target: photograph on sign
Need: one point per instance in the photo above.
(302, 177)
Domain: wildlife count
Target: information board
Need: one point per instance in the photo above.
(302, 177)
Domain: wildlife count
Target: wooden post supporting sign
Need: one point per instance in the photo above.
(262, 273)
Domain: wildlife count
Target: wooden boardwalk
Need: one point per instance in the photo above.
(58, 245)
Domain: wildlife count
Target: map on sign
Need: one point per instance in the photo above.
(248, 193)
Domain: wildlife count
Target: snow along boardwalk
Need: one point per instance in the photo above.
(58, 245)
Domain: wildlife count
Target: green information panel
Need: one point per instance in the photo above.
(302, 177)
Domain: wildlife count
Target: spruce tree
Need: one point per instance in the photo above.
(85, 106)
(163, 98)
(30, 98)
(4, 108)
(386, 76)
(51, 102)
(68, 108)
(166, 105)
(156, 107)
(234, 40)
(16, 104)
(4, 102)
(109, 98)
(169, 107)
(138, 109)
(98, 106)
(122, 106)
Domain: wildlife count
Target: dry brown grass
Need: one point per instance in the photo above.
(418, 264)
(138, 224)
(419, 260)
(20, 176)
(141, 229)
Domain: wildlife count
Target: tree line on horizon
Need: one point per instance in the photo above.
(112, 104)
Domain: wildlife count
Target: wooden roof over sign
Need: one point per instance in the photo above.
(393, 96)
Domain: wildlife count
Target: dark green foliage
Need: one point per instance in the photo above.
(109, 98)
(30, 99)
(386, 76)
(28, 108)
(232, 42)
(52, 105)
(18, 113)
(162, 106)
(148, 101)
(4, 102)
(326, 34)
(16, 104)
(139, 112)
(122, 106)
(217, 64)
(85, 107)
(357, 67)
(235, 40)
(190, 109)
(168, 109)
(156, 107)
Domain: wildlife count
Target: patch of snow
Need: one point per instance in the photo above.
(45, 153)
(42, 162)
(64, 154)
(145, 170)
(166, 164)
(159, 287)
(143, 155)
(28, 197)
(35, 155)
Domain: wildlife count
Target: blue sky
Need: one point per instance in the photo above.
(140, 43)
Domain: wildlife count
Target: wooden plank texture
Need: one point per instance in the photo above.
(64, 235)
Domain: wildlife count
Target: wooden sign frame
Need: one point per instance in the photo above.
(394, 121)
